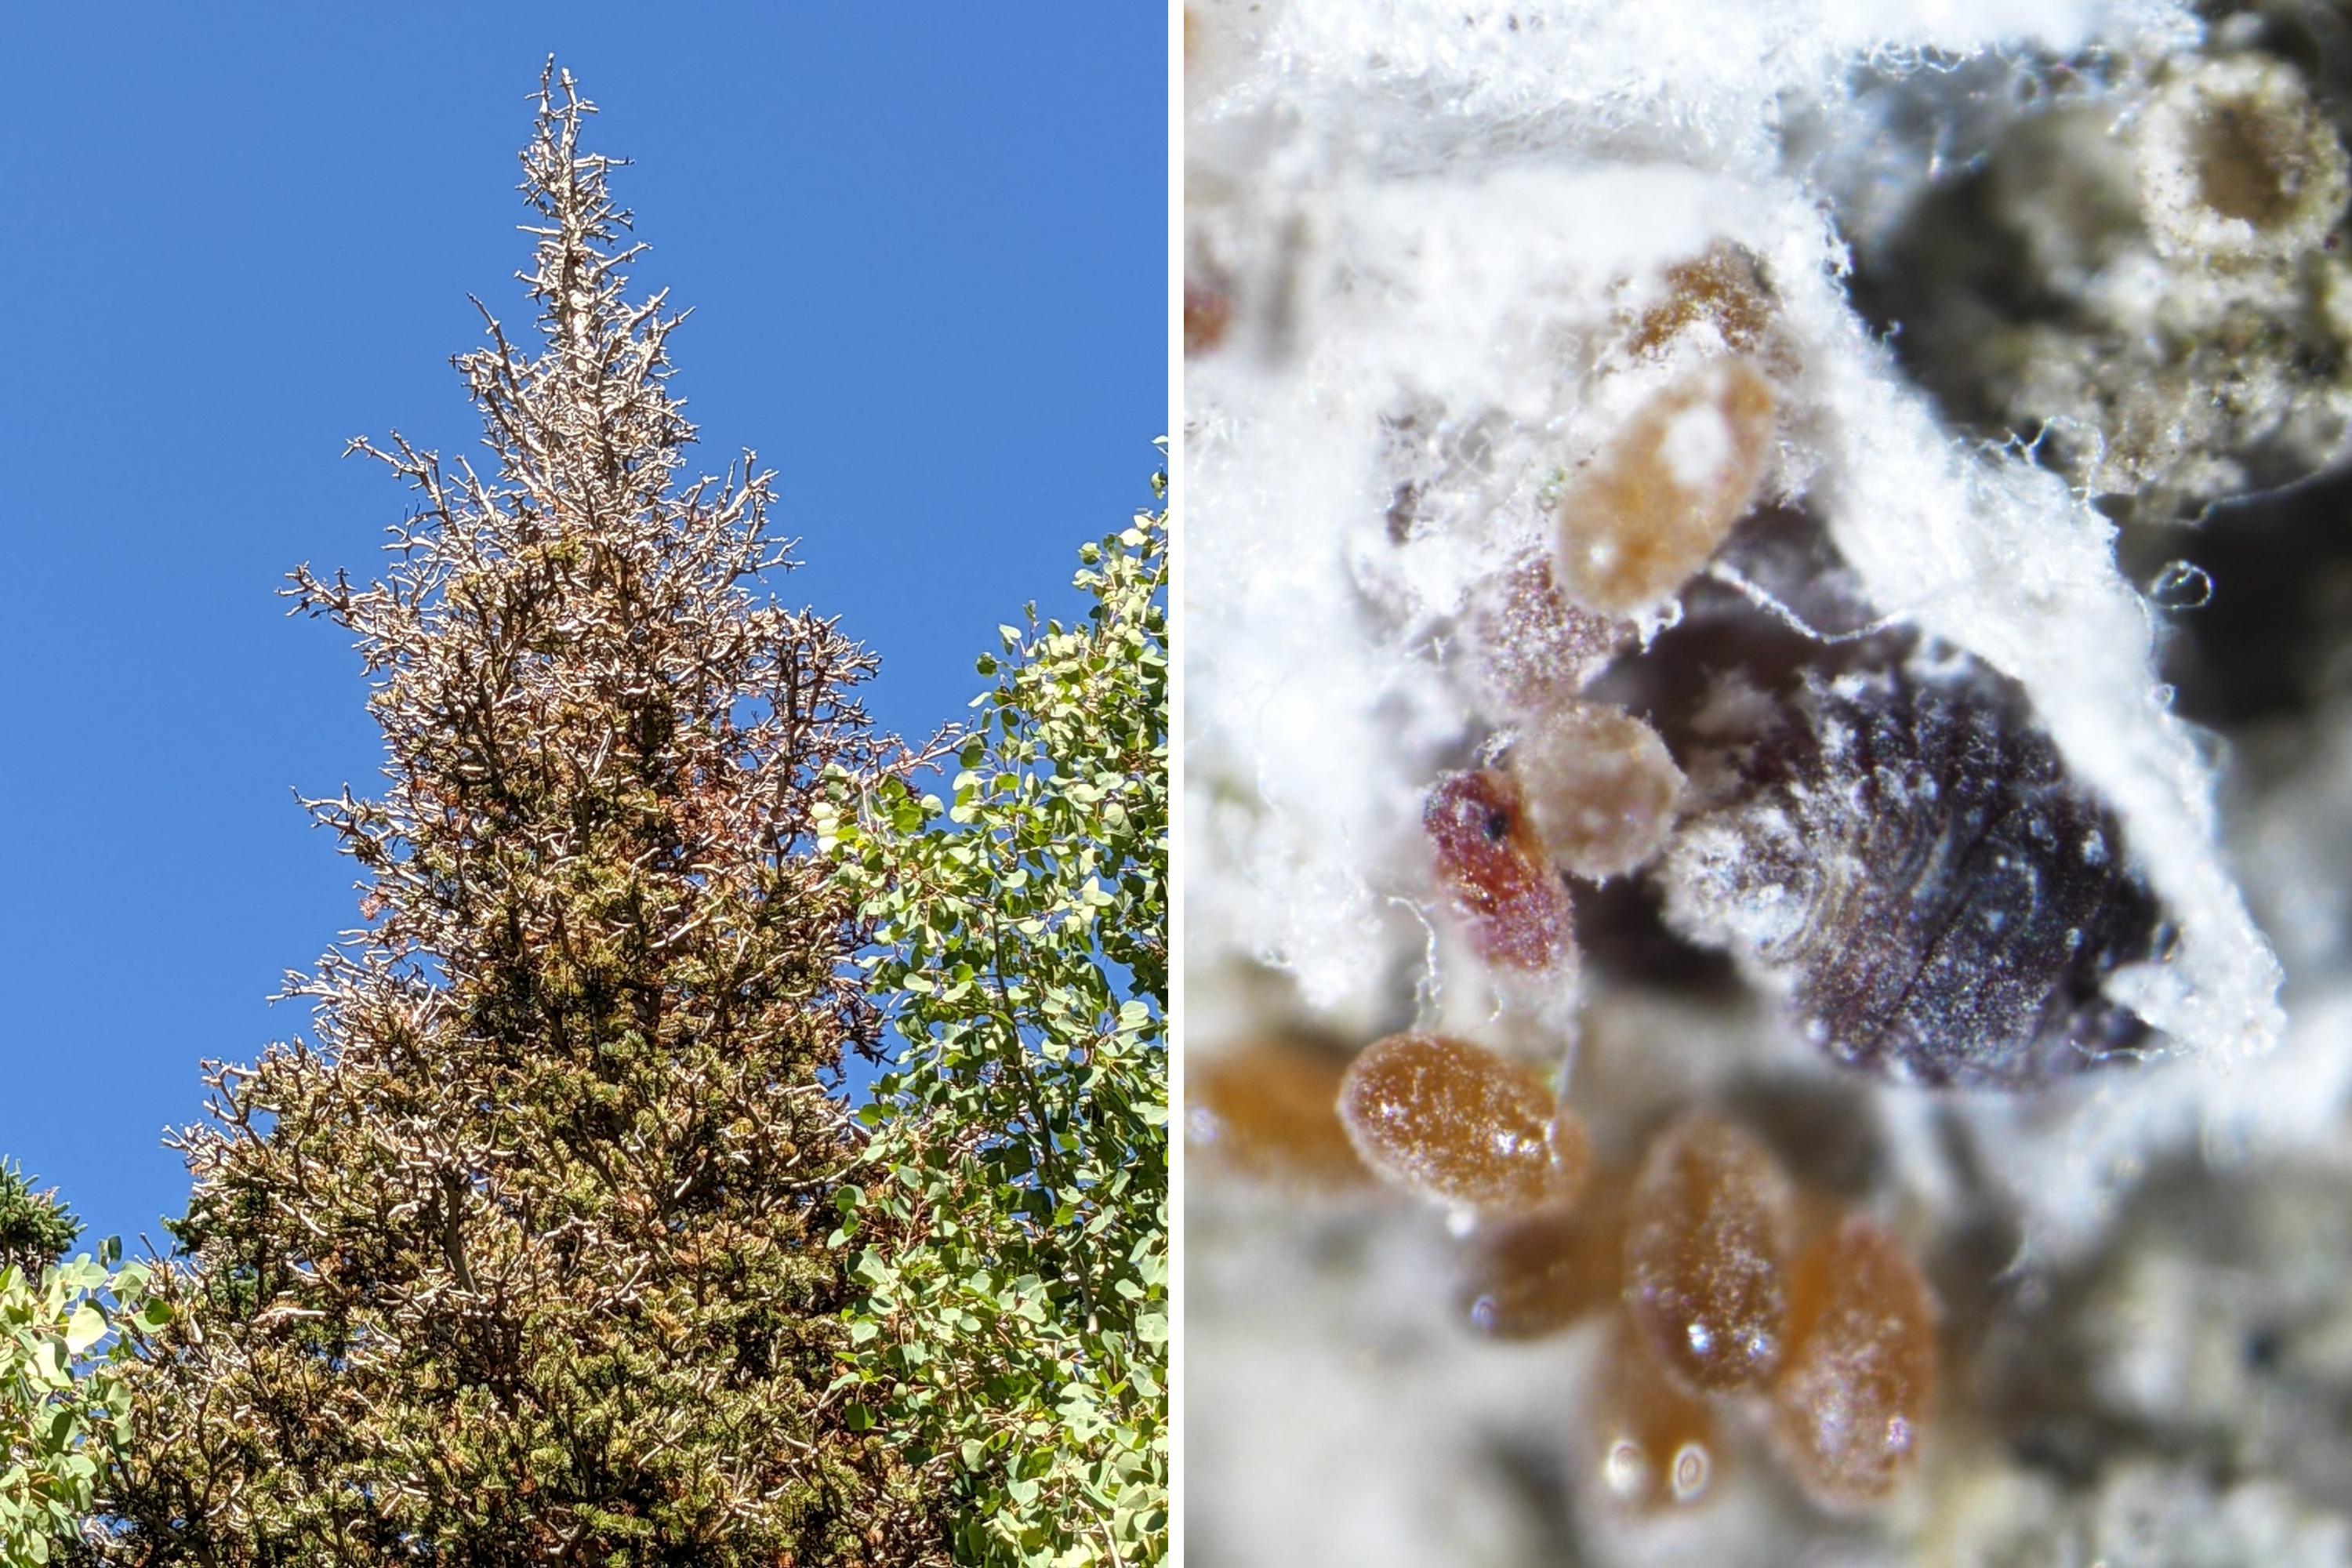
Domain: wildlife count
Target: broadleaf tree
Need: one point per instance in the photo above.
(1008, 1219)
(64, 1405)
(520, 1260)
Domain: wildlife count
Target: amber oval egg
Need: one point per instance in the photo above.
(1722, 290)
(1270, 1113)
(1649, 1445)
(1644, 517)
(1527, 646)
(1854, 1392)
(1599, 785)
(1459, 1125)
(1532, 1275)
(1707, 1235)
(1208, 315)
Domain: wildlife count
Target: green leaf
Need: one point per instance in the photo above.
(87, 1327)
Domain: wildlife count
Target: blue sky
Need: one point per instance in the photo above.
(928, 265)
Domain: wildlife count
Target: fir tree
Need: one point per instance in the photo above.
(36, 1229)
(521, 1259)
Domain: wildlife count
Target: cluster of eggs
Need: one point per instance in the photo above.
(1696, 1254)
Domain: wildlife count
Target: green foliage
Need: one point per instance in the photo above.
(36, 1229)
(64, 1401)
(1010, 1226)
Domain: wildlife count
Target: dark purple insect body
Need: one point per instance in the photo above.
(1902, 852)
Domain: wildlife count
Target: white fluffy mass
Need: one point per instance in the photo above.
(1444, 203)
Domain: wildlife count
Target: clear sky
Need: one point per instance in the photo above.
(927, 258)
